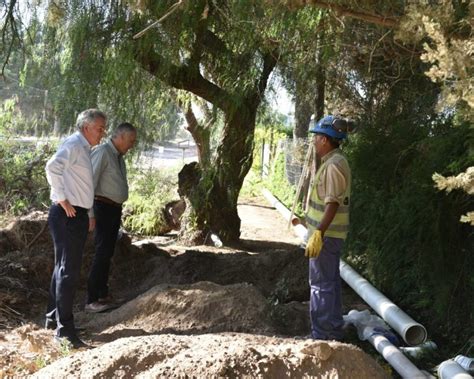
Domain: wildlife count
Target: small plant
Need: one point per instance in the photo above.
(65, 348)
(41, 361)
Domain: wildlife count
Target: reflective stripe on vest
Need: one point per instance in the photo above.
(340, 224)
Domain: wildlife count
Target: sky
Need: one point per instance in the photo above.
(282, 102)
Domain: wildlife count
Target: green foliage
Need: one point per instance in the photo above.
(276, 181)
(6, 117)
(42, 361)
(269, 130)
(405, 232)
(65, 348)
(23, 184)
(253, 184)
(150, 190)
(445, 31)
(76, 58)
(14, 123)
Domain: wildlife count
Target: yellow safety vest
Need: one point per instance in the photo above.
(340, 224)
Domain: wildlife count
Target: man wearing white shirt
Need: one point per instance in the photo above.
(69, 173)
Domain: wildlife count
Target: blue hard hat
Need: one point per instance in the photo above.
(331, 126)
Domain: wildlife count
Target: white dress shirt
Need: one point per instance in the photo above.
(69, 172)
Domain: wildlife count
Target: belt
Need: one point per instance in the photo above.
(106, 200)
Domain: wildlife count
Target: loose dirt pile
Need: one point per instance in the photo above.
(216, 355)
(27, 349)
(202, 307)
(179, 308)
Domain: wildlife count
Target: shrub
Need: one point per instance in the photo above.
(23, 184)
(406, 233)
(150, 190)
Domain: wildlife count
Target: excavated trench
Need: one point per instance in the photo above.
(240, 306)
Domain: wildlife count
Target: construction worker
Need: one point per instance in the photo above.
(327, 219)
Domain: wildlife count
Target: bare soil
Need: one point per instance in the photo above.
(200, 311)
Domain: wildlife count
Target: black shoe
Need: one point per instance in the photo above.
(74, 341)
(50, 324)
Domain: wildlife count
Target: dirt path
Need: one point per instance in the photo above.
(262, 222)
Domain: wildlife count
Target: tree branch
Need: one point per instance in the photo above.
(214, 44)
(184, 77)
(9, 19)
(270, 60)
(387, 21)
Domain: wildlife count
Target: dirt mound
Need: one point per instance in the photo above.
(25, 232)
(217, 355)
(25, 268)
(202, 307)
(25, 350)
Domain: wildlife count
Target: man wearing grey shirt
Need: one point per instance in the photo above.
(111, 191)
(69, 173)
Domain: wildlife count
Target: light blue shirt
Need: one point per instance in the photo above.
(110, 173)
(69, 172)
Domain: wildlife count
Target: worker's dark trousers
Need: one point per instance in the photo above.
(325, 285)
(69, 237)
(107, 225)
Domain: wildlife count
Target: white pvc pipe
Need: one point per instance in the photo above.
(411, 331)
(274, 202)
(466, 363)
(396, 358)
(452, 370)
(299, 229)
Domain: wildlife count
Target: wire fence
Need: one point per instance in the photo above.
(294, 154)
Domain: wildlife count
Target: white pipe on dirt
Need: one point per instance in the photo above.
(299, 229)
(467, 363)
(396, 358)
(411, 331)
(452, 370)
(416, 351)
(373, 329)
(274, 202)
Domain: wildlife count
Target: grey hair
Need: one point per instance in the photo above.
(88, 116)
(124, 127)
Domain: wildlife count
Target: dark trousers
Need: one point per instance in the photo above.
(106, 231)
(325, 283)
(69, 237)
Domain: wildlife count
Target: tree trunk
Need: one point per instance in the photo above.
(303, 112)
(213, 191)
(201, 136)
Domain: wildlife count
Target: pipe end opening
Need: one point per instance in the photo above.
(416, 335)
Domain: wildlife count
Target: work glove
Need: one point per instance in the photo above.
(314, 245)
